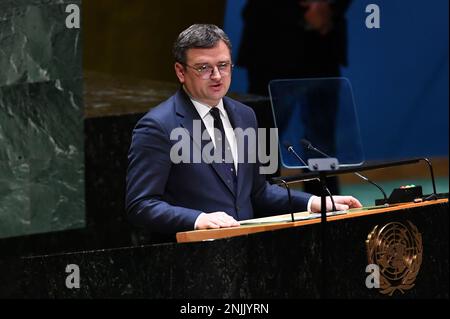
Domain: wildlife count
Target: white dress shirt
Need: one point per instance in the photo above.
(208, 120)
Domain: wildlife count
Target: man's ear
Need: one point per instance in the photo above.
(179, 71)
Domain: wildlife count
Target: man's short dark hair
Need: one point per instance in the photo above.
(203, 36)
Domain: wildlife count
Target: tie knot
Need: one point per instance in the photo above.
(215, 112)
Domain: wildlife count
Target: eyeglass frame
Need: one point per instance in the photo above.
(206, 75)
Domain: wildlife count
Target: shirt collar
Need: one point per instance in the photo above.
(204, 109)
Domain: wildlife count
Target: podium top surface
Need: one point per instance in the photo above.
(284, 221)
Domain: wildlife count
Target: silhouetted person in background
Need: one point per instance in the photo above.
(292, 39)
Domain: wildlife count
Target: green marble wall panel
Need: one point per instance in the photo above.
(41, 119)
(35, 44)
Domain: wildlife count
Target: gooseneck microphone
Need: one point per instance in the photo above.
(309, 146)
(291, 150)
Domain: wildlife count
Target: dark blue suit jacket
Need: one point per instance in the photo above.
(167, 198)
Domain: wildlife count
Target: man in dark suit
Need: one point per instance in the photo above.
(168, 195)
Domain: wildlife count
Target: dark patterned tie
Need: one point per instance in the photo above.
(227, 165)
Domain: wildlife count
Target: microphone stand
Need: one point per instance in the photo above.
(291, 150)
(323, 218)
(323, 169)
(433, 196)
(430, 167)
(309, 146)
(286, 185)
(323, 198)
(289, 197)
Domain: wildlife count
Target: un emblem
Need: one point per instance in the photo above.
(397, 250)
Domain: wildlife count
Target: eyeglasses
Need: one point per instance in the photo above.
(206, 70)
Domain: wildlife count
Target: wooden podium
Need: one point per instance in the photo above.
(210, 234)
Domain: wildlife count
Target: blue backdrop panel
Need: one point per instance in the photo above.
(399, 74)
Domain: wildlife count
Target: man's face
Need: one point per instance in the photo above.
(210, 90)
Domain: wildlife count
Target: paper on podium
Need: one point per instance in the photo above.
(304, 216)
(286, 218)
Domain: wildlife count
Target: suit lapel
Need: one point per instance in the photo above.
(190, 119)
